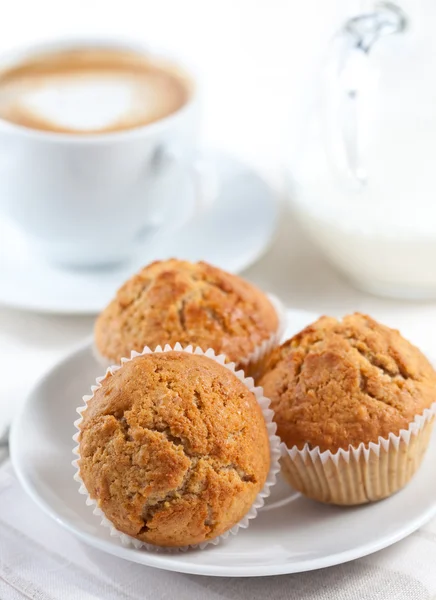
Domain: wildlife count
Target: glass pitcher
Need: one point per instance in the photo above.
(363, 177)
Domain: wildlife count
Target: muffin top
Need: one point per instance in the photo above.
(176, 301)
(340, 383)
(174, 447)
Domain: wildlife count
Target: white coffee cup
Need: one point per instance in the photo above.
(87, 200)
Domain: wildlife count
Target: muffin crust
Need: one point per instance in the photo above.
(174, 448)
(177, 301)
(340, 383)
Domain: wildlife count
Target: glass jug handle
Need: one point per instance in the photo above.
(348, 89)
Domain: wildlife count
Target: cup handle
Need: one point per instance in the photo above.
(203, 177)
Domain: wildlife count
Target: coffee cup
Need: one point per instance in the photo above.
(98, 150)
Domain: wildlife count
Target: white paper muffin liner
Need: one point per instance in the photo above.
(253, 358)
(359, 475)
(274, 443)
(274, 340)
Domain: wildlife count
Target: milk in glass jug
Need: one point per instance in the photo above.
(363, 178)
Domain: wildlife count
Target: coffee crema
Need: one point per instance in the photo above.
(89, 90)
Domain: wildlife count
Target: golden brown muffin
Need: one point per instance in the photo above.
(340, 383)
(176, 301)
(337, 385)
(174, 448)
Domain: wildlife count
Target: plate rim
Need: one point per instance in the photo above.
(168, 561)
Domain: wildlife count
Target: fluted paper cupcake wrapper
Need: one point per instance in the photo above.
(274, 443)
(253, 361)
(254, 358)
(359, 475)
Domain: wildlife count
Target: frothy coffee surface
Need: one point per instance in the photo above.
(90, 91)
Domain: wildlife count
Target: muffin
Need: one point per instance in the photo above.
(177, 301)
(353, 402)
(174, 448)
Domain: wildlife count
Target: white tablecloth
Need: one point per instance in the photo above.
(41, 561)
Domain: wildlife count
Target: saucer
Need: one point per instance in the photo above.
(232, 234)
(291, 534)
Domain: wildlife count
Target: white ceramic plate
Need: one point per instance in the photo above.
(232, 234)
(290, 535)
